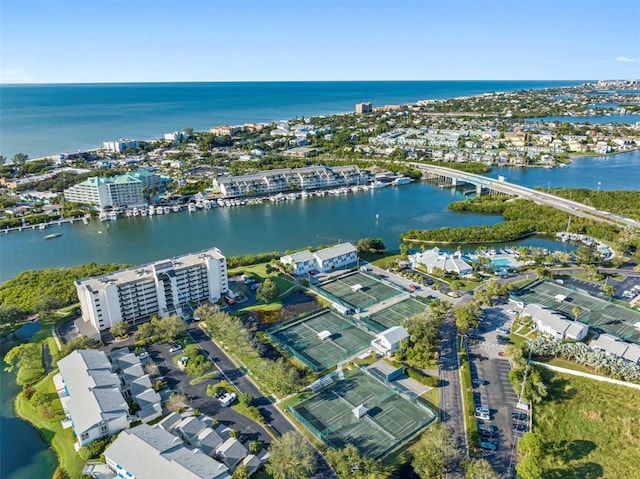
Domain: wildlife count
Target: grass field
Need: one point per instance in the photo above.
(589, 429)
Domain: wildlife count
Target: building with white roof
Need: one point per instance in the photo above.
(94, 402)
(328, 259)
(119, 146)
(123, 191)
(147, 452)
(434, 258)
(163, 288)
(388, 341)
(551, 323)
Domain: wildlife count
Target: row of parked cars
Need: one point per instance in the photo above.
(487, 432)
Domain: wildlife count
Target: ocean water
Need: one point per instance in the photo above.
(42, 120)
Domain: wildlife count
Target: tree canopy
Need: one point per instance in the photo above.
(291, 457)
(267, 291)
(350, 464)
(370, 245)
(435, 452)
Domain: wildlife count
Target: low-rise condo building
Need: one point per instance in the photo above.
(553, 324)
(435, 258)
(286, 179)
(163, 288)
(328, 259)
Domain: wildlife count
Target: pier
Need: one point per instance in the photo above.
(42, 226)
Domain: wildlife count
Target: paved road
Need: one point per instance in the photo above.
(274, 417)
(451, 410)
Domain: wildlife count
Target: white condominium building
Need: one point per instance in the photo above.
(328, 259)
(276, 181)
(163, 288)
(119, 191)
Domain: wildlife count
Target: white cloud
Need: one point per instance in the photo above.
(626, 60)
(15, 76)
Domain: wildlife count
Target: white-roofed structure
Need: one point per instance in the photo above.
(617, 347)
(434, 258)
(328, 259)
(551, 323)
(388, 341)
(146, 452)
(95, 404)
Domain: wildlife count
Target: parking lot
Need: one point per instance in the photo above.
(492, 388)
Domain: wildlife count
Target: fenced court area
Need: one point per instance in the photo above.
(394, 315)
(322, 340)
(597, 313)
(357, 290)
(391, 419)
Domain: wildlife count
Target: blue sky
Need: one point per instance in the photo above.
(73, 41)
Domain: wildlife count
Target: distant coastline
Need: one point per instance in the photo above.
(45, 119)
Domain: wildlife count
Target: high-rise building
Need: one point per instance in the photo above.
(163, 288)
(364, 107)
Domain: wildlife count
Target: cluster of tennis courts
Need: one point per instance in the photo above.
(389, 421)
(595, 312)
(395, 314)
(322, 340)
(358, 290)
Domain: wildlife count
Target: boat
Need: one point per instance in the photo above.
(176, 208)
(143, 212)
(167, 210)
(378, 184)
(402, 180)
(42, 226)
(113, 216)
(159, 210)
(104, 216)
(136, 212)
(191, 207)
(152, 210)
(53, 235)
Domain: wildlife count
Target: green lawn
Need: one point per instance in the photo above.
(589, 429)
(467, 398)
(62, 440)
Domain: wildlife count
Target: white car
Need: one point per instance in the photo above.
(175, 348)
(511, 312)
(227, 399)
(144, 355)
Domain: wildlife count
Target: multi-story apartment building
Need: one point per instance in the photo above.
(119, 146)
(163, 288)
(276, 181)
(364, 107)
(118, 191)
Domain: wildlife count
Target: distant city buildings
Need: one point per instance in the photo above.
(122, 191)
(119, 146)
(364, 107)
(163, 288)
(324, 260)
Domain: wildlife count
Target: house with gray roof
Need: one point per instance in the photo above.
(95, 406)
(150, 452)
(553, 324)
(617, 347)
(232, 452)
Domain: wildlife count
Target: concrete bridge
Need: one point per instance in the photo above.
(486, 185)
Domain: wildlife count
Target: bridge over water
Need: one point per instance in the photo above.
(500, 186)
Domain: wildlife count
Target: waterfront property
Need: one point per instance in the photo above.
(94, 392)
(120, 191)
(285, 179)
(434, 258)
(325, 260)
(553, 324)
(597, 313)
(163, 288)
(362, 411)
(322, 340)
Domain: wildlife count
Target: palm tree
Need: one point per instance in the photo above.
(576, 311)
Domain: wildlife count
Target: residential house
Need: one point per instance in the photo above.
(388, 341)
(555, 325)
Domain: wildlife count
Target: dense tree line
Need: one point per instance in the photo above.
(424, 335)
(620, 202)
(277, 376)
(522, 217)
(28, 290)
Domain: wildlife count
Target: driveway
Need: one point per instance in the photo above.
(496, 392)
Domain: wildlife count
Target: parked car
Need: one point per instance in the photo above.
(143, 355)
(488, 445)
(503, 339)
(227, 399)
(175, 348)
(511, 312)
(519, 416)
(520, 427)
(485, 433)
(478, 382)
(219, 393)
(501, 354)
(503, 330)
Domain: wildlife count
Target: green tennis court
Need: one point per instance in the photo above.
(302, 339)
(390, 420)
(395, 314)
(597, 313)
(359, 290)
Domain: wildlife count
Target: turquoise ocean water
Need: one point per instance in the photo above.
(41, 120)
